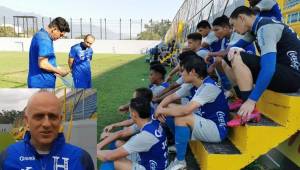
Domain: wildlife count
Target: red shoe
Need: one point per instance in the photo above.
(255, 116)
(235, 105)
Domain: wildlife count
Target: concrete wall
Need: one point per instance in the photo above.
(100, 46)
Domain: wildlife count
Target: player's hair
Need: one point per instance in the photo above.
(196, 36)
(254, 2)
(141, 106)
(88, 35)
(242, 10)
(222, 21)
(159, 68)
(197, 63)
(185, 56)
(61, 24)
(203, 24)
(144, 92)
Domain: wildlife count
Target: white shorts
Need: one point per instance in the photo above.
(205, 130)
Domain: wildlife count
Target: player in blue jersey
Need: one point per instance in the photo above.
(80, 57)
(209, 41)
(204, 117)
(150, 143)
(42, 60)
(266, 8)
(278, 66)
(43, 146)
(194, 41)
(213, 44)
(129, 128)
(156, 77)
(224, 32)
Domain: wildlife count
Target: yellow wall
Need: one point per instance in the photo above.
(286, 12)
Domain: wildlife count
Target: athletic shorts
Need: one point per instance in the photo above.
(136, 166)
(205, 130)
(284, 80)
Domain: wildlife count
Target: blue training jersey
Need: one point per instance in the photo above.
(41, 46)
(62, 156)
(156, 158)
(269, 8)
(81, 68)
(249, 48)
(217, 111)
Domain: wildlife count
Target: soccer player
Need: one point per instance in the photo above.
(210, 41)
(204, 117)
(43, 147)
(224, 32)
(150, 143)
(278, 66)
(266, 8)
(156, 77)
(80, 57)
(129, 128)
(42, 60)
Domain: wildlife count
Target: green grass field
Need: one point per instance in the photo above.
(6, 139)
(14, 66)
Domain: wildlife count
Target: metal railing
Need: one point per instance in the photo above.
(102, 28)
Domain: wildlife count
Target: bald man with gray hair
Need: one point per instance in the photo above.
(43, 146)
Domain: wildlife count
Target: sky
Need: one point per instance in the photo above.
(111, 9)
(15, 98)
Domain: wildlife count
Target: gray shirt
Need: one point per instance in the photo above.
(206, 93)
(140, 142)
(210, 38)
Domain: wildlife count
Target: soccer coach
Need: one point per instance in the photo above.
(42, 59)
(43, 146)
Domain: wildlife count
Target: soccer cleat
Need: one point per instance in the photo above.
(255, 116)
(177, 165)
(235, 105)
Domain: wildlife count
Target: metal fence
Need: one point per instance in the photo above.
(193, 11)
(104, 29)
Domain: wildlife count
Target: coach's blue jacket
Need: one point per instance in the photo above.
(62, 156)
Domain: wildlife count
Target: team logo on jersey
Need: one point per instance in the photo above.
(293, 55)
(221, 118)
(82, 54)
(26, 158)
(158, 132)
(153, 165)
(64, 166)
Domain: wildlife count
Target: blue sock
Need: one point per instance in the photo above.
(182, 137)
(108, 165)
(171, 124)
(112, 145)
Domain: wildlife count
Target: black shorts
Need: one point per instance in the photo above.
(284, 80)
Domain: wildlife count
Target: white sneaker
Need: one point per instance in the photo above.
(177, 165)
(172, 149)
